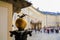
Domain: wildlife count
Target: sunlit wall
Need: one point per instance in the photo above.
(46, 20)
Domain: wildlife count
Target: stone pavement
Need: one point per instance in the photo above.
(44, 36)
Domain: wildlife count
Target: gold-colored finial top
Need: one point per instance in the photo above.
(21, 23)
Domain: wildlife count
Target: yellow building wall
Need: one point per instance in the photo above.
(5, 20)
(59, 19)
(47, 20)
(51, 20)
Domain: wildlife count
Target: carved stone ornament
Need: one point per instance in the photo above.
(18, 4)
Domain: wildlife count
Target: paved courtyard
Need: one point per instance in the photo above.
(44, 36)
